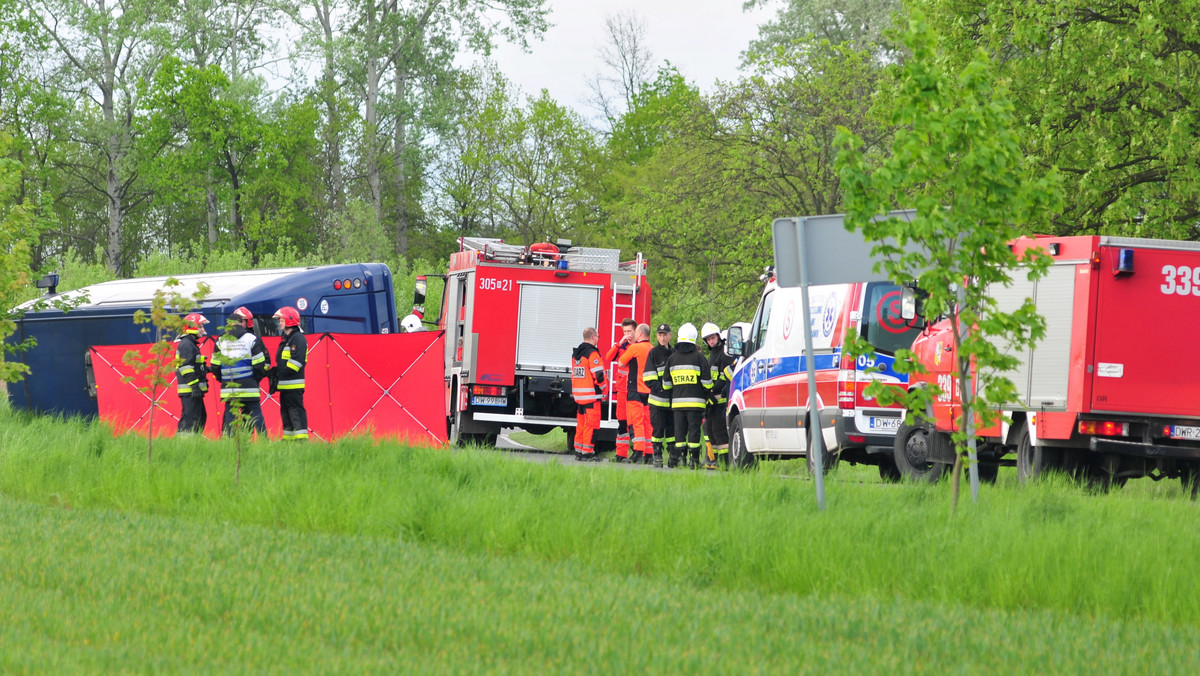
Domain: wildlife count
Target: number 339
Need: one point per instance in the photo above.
(1188, 282)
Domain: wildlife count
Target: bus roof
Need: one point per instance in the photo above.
(140, 291)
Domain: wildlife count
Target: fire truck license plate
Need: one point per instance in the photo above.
(1182, 432)
(889, 424)
(490, 401)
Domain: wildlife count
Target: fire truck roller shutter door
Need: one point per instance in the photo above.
(552, 317)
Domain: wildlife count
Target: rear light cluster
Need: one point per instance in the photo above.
(846, 382)
(488, 390)
(340, 284)
(1104, 428)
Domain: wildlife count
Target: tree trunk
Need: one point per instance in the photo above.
(371, 148)
(112, 183)
(400, 146)
(210, 207)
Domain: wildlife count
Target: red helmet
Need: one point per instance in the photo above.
(289, 315)
(194, 323)
(246, 315)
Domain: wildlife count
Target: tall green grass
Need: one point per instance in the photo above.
(1049, 546)
(88, 591)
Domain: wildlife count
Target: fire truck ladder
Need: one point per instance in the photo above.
(630, 289)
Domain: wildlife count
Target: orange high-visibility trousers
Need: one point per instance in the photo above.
(587, 421)
(639, 426)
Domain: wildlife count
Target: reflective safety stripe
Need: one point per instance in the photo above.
(290, 385)
(186, 369)
(295, 434)
(286, 354)
(656, 400)
(258, 358)
(239, 392)
(647, 376)
(707, 384)
(688, 402)
(294, 365)
(597, 369)
(236, 372)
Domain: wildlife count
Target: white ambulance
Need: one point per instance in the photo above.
(768, 401)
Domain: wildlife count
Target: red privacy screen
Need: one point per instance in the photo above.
(389, 386)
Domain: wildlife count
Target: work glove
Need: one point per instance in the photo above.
(273, 386)
(197, 393)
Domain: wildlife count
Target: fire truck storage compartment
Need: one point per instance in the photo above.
(1041, 378)
(552, 320)
(1146, 319)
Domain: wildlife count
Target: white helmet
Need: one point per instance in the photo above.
(709, 329)
(687, 333)
(410, 324)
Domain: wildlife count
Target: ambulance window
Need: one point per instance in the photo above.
(881, 324)
(762, 321)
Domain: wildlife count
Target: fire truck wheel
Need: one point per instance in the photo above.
(911, 453)
(989, 472)
(888, 471)
(1034, 461)
(739, 454)
(1191, 480)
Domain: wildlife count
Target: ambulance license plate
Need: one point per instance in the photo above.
(490, 401)
(885, 424)
(1182, 432)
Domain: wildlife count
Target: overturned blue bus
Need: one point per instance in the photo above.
(354, 298)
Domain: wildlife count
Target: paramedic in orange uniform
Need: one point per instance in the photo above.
(638, 394)
(587, 377)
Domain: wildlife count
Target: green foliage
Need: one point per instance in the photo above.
(860, 24)
(16, 230)
(957, 160)
(1106, 94)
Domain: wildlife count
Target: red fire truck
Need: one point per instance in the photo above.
(512, 314)
(1109, 393)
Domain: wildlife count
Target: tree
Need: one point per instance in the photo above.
(102, 52)
(957, 160)
(17, 229)
(156, 370)
(1107, 93)
(859, 24)
(628, 61)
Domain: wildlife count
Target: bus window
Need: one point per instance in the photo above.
(882, 325)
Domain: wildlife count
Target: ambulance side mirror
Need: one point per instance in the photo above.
(735, 346)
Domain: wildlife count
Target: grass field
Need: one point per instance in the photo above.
(363, 557)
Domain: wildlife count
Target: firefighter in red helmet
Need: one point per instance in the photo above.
(288, 375)
(241, 362)
(191, 375)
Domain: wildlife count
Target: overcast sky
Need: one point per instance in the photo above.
(702, 38)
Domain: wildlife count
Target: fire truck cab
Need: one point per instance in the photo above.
(512, 314)
(1109, 393)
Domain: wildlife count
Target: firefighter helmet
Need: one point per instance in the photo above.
(687, 333)
(709, 329)
(246, 316)
(410, 324)
(194, 323)
(289, 315)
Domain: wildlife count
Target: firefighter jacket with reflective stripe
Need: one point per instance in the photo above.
(656, 369)
(240, 362)
(634, 359)
(191, 373)
(621, 373)
(587, 374)
(688, 378)
(290, 360)
(721, 370)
